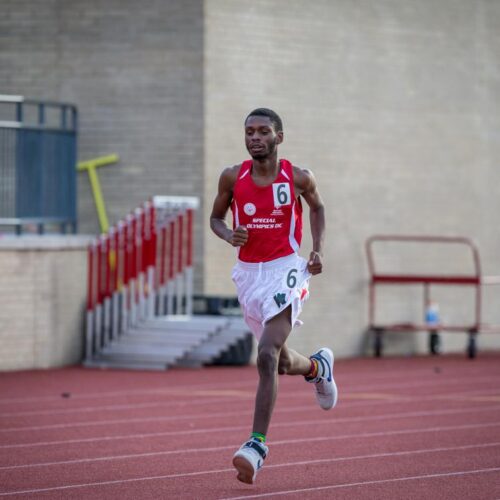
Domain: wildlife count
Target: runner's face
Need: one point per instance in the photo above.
(261, 139)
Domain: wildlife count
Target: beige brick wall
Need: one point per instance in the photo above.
(42, 299)
(393, 105)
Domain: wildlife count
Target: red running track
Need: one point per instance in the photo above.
(404, 428)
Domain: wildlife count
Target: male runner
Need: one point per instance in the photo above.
(272, 280)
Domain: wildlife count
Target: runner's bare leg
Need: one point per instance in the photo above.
(273, 358)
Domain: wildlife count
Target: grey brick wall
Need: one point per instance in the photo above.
(135, 71)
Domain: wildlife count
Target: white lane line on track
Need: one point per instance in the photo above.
(236, 445)
(351, 396)
(76, 396)
(468, 378)
(368, 483)
(167, 418)
(292, 441)
(372, 376)
(272, 466)
(120, 407)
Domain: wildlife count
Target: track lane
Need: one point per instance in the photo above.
(404, 417)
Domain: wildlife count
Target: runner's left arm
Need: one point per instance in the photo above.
(306, 186)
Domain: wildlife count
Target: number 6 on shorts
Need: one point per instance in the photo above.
(291, 279)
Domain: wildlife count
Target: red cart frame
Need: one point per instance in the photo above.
(473, 279)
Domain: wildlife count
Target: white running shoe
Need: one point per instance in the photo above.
(326, 389)
(249, 459)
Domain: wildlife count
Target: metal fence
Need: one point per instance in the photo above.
(38, 141)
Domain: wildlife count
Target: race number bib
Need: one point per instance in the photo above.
(281, 194)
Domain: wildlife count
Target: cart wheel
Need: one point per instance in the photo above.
(472, 348)
(377, 345)
(434, 342)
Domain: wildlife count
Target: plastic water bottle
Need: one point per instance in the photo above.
(432, 322)
(432, 316)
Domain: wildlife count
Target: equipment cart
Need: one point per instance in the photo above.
(472, 279)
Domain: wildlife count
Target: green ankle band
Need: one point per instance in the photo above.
(259, 436)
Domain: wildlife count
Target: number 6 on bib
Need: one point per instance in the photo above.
(281, 194)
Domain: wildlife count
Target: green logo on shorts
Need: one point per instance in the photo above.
(280, 299)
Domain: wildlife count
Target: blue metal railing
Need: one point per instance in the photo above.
(38, 141)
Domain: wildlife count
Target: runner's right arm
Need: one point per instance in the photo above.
(222, 202)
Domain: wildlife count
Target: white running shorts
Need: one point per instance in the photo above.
(267, 288)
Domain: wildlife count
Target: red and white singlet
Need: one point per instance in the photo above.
(271, 214)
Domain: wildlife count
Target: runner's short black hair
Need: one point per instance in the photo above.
(273, 116)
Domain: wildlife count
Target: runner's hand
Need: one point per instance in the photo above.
(315, 263)
(238, 237)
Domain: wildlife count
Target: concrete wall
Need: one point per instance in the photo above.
(395, 107)
(42, 301)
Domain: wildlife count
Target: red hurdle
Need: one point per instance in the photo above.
(134, 276)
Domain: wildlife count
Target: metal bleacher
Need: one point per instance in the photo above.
(183, 341)
(141, 311)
